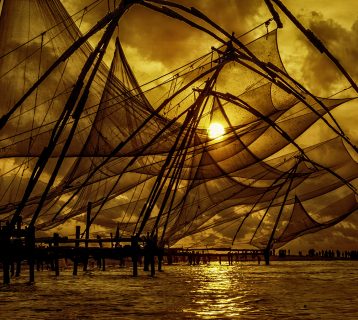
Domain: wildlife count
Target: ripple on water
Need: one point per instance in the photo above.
(284, 290)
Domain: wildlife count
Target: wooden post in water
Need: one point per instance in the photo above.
(152, 264)
(12, 267)
(55, 250)
(5, 243)
(146, 253)
(77, 244)
(152, 244)
(31, 252)
(103, 264)
(101, 261)
(18, 248)
(160, 258)
(267, 256)
(134, 245)
(88, 225)
(18, 267)
(146, 260)
(6, 270)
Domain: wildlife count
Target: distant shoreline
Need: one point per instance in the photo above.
(308, 258)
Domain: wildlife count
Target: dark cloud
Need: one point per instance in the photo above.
(172, 42)
(319, 72)
(342, 236)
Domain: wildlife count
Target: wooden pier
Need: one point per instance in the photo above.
(21, 246)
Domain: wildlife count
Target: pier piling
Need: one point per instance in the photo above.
(134, 245)
(101, 262)
(31, 252)
(88, 225)
(5, 250)
(18, 267)
(77, 244)
(160, 259)
(152, 264)
(267, 256)
(6, 272)
(56, 246)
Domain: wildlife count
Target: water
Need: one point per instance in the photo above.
(283, 290)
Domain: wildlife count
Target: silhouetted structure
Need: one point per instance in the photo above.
(88, 138)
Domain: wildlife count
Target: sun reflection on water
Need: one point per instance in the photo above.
(219, 293)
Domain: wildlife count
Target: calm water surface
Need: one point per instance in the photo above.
(283, 290)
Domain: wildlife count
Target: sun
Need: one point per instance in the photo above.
(215, 130)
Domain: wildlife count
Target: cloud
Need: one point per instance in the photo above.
(147, 35)
(319, 72)
(342, 236)
(159, 37)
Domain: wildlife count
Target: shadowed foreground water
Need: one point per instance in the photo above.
(283, 290)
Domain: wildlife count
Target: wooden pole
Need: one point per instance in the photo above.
(134, 245)
(18, 248)
(160, 258)
(31, 252)
(103, 264)
(6, 271)
(77, 244)
(18, 267)
(146, 260)
(101, 261)
(12, 267)
(152, 263)
(146, 253)
(151, 254)
(88, 225)
(56, 246)
(267, 256)
(5, 243)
